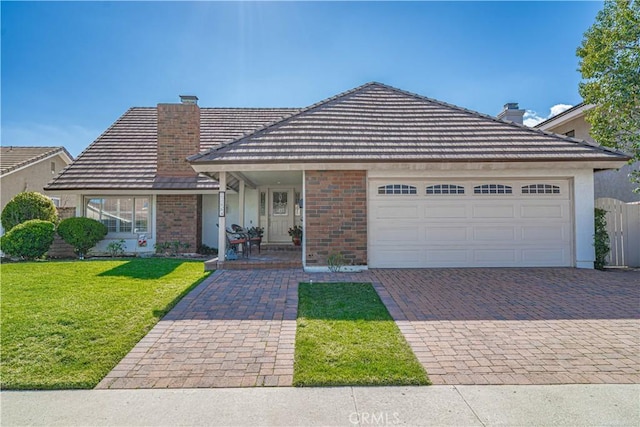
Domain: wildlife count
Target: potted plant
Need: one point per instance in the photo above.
(296, 234)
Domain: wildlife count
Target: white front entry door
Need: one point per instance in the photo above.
(281, 205)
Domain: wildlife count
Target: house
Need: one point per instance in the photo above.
(31, 169)
(386, 177)
(613, 184)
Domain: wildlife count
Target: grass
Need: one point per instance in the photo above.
(346, 336)
(67, 324)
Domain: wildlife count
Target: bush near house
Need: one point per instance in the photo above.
(28, 240)
(26, 206)
(82, 233)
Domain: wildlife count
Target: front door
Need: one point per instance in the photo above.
(281, 206)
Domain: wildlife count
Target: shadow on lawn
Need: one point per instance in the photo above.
(145, 268)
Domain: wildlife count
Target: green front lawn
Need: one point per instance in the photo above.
(346, 336)
(67, 324)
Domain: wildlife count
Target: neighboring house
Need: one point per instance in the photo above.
(31, 169)
(614, 184)
(387, 177)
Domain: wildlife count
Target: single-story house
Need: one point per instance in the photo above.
(387, 177)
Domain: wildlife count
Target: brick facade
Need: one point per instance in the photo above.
(178, 138)
(336, 216)
(179, 217)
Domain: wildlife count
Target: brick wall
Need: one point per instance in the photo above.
(59, 248)
(178, 138)
(336, 216)
(179, 217)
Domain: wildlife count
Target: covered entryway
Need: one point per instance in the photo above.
(472, 223)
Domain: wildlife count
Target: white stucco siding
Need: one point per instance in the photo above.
(584, 218)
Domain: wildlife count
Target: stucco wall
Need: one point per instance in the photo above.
(33, 178)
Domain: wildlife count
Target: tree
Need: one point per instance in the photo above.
(610, 67)
(26, 206)
(82, 233)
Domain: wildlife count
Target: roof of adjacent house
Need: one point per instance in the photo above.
(125, 157)
(12, 158)
(561, 115)
(379, 123)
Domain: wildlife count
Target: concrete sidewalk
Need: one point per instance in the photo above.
(558, 405)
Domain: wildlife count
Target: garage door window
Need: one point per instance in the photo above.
(445, 189)
(492, 189)
(397, 189)
(540, 189)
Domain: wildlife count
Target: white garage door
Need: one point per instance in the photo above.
(474, 223)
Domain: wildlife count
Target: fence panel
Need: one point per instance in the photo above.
(623, 227)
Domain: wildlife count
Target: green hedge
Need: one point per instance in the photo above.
(82, 233)
(31, 239)
(26, 206)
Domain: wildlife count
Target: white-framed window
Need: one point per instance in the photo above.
(397, 189)
(56, 201)
(121, 214)
(540, 189)
(492, 189)
(445, 189)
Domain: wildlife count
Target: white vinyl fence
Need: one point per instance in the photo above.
(623, 226)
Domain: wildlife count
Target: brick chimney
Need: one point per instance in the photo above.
(178, 136)
(511, 113)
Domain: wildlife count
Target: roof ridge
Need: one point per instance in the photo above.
(266, 127)
(564, 113)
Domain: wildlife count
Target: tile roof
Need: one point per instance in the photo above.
(12, 158)
(379, 123)
(559, 115)
(124, 156)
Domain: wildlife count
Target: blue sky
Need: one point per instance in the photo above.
(70, 69)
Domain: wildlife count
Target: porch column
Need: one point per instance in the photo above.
(222, 218)
(241, 202)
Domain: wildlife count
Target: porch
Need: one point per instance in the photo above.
(271, 256)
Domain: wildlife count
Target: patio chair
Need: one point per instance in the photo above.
(236, 239)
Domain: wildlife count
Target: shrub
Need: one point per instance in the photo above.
(116, 248)
(82, 233)
(29, 240)
(601, 239)
(27, 206)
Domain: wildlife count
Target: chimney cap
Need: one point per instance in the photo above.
(511, 106)
(189, 99)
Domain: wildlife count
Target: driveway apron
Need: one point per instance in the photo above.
(518, 326)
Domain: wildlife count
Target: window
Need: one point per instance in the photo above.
(571, 133)
(492, 189)
(397, 189)
(445, 189)
(121, 214)
(540, 189)
(53, 168)
(56, 201)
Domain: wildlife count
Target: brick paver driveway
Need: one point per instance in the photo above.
(518, 326)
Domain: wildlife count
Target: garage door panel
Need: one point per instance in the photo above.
(397, 235)
(542, 211)
(494, 233)
(529, 228)
(447, 256)
(395, 212)
(492, 211)
(435, 233)
(445, 211)
(549, 257)
(549, 233)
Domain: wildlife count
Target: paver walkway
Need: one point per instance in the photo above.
(236, 329)
(518, 326)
